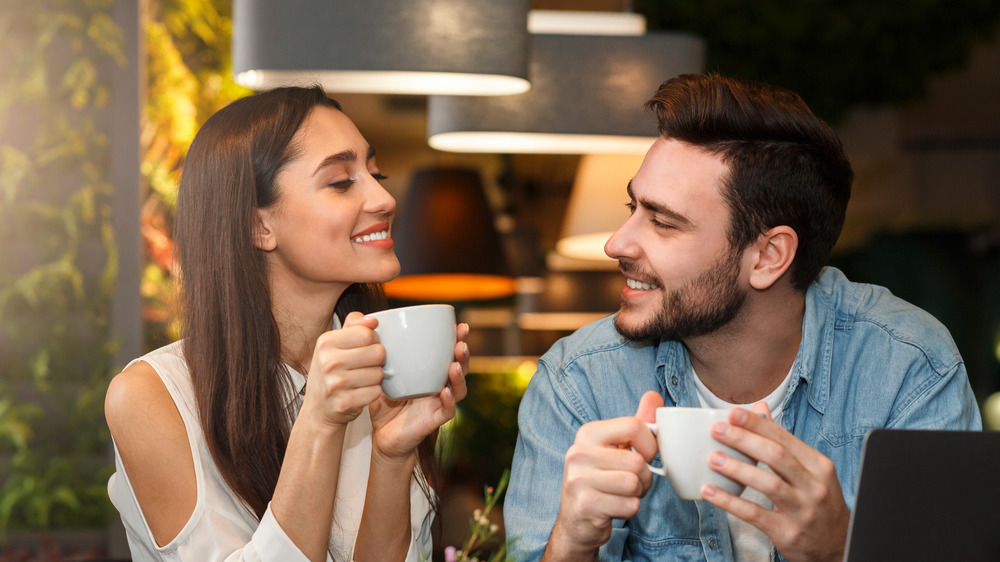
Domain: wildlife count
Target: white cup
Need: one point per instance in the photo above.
(685, 442)
(419, 346)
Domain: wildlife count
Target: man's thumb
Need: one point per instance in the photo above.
(648, 405)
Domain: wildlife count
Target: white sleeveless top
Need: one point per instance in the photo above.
(221, 528)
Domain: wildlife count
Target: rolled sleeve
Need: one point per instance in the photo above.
(270, 544)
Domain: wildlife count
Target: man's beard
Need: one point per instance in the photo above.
(702, 306)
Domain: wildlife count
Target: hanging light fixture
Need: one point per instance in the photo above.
(458, 47)
(447, 244)
(596, 205)
(587, 95)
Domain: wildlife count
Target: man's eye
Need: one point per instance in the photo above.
(631, 207)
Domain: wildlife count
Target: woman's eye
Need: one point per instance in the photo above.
(630, 206)
(379, 177)
(344, 184)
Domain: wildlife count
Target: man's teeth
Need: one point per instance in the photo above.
(639, 285)
(373, 236)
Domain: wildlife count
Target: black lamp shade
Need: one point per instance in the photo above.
(446, 241)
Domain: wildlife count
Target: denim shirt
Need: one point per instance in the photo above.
(866, 360)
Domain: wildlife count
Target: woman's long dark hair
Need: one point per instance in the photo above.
(231, 342)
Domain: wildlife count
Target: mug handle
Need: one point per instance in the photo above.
(655, 470)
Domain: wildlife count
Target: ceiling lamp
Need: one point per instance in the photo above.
(587, 95)
(448, 247)
(597, 204)
(457, 47)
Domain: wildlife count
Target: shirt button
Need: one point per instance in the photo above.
(673, 380)
(712, 544)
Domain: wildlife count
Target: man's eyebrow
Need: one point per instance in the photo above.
(658, 208)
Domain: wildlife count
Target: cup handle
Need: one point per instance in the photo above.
(655, 470)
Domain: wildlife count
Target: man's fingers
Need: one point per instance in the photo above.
(764, 519)
(619, 431)
(648, 404)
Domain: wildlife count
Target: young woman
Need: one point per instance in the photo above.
(263, 434)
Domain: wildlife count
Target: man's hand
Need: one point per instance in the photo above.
(810, 518)
(604, 476)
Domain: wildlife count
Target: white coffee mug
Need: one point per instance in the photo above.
(685, 442)
(419, 346)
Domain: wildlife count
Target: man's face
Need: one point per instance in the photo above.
(682, 276)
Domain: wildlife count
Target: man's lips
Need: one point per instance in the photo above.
(639, 285)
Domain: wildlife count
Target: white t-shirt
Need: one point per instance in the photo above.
(221, 528)
(750, 544)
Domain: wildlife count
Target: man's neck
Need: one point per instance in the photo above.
(749, 357)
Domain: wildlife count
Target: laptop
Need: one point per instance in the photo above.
(927, 495)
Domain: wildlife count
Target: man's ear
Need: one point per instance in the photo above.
(263, 236)
(775, 251)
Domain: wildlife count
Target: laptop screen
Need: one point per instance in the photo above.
(927, 495)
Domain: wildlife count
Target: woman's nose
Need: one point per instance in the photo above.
(379, 200)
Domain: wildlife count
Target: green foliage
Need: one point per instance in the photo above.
(835, 53)
(58, 261)
(482, 529)
(189, 78)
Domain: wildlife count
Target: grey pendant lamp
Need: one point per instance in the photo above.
(459, 47)
(587, 95)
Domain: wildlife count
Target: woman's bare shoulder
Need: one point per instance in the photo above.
(153, 445)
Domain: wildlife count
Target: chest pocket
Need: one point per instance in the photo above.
(666, 528)
(675, 550)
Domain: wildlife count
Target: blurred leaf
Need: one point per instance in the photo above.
(107, 36)
(15, 165)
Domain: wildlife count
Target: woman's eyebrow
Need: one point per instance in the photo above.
(343, 156)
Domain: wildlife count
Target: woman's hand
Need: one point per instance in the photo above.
(400, 426)
(346, 371)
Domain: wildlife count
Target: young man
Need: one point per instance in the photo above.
(734, 212)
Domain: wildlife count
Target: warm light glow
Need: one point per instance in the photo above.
(538, 143)
(585, 246)
(991, 412)
(596, 205)
(566, 321)
(388, 82)
(571, 22)
(449, 287)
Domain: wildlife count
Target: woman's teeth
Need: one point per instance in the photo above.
(373, 236)
(639, 285)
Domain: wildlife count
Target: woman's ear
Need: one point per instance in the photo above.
(775, 252)
(263, 235)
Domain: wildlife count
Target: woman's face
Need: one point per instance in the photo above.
(330, 224)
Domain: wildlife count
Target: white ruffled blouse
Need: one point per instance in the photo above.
(221, 528)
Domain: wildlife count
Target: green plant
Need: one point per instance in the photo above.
(189, 77)
(836, 54)
(481, 529)
(59, 261)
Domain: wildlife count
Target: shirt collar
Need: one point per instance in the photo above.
(812, 363)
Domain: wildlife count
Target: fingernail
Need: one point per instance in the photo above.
(708, 491)
(447, 392)
(739, 415)
(716, 460)
(720, 428)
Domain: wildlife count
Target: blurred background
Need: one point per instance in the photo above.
(100, 98)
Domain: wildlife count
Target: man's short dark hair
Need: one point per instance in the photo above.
(786, 166)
